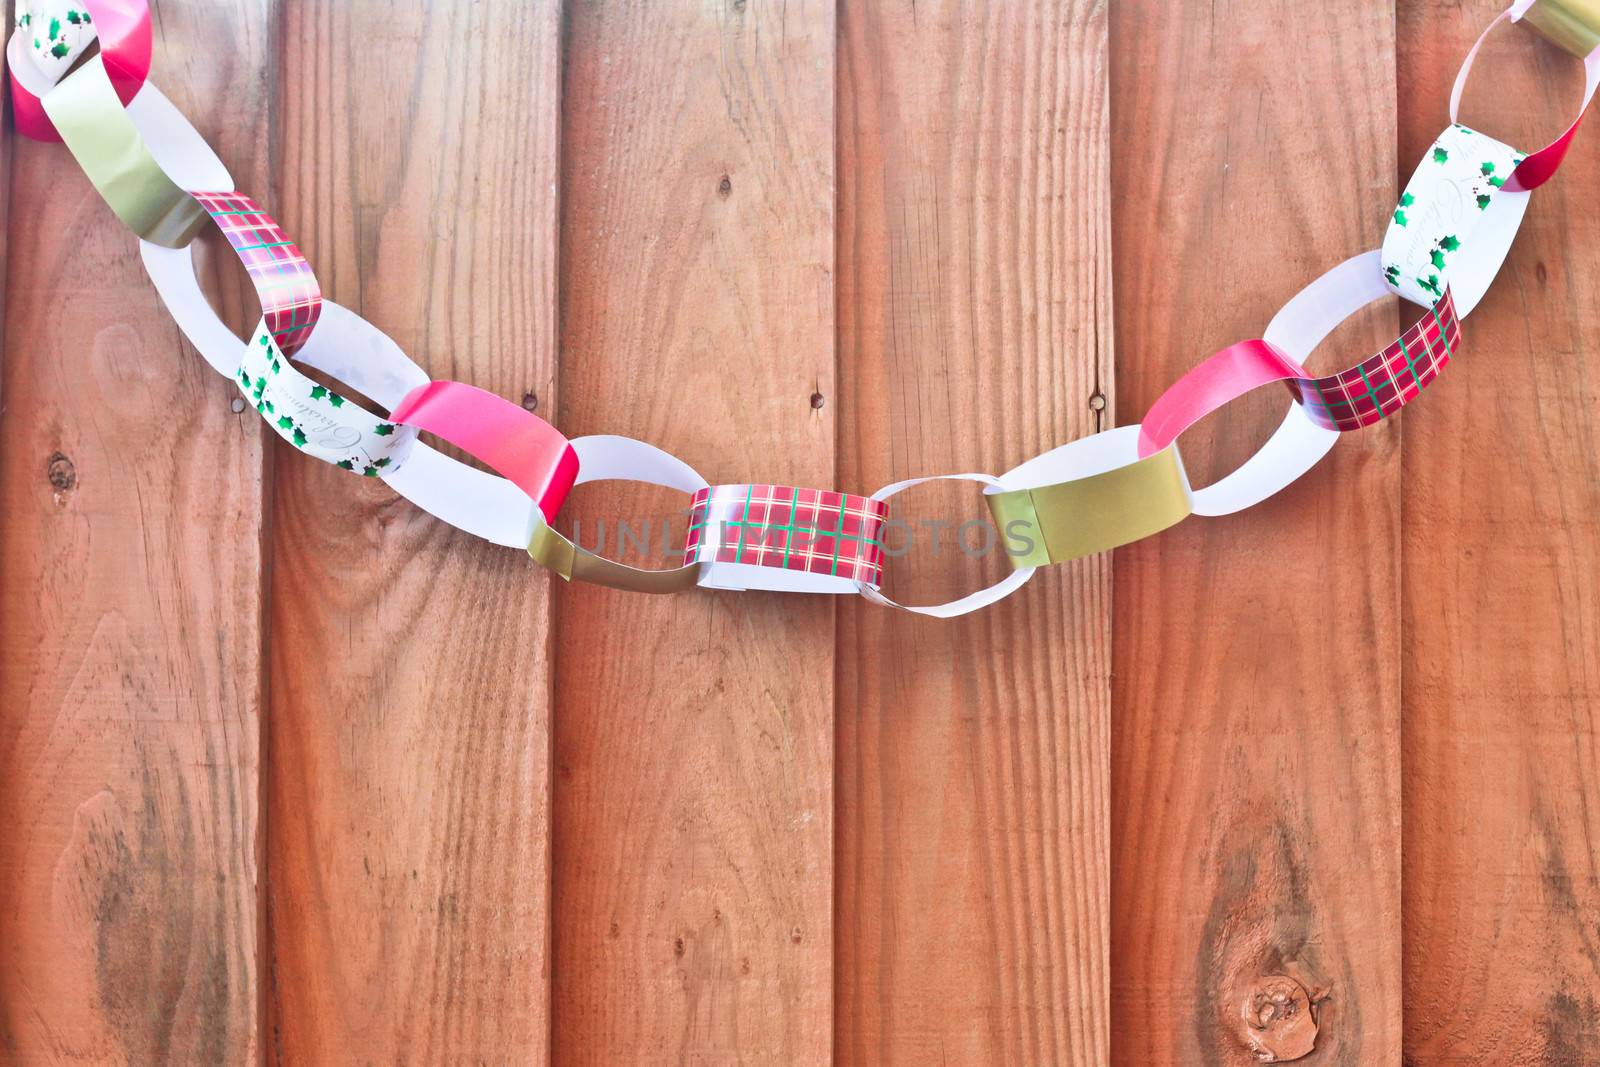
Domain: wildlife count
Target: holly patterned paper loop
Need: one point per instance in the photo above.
(1446, 199)
(57, 31)
(316, 419)
(52, 35)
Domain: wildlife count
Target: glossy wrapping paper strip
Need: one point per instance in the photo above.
(1571, 24)
(607, 457)
(108, 146)
(1088, 496)
(1219, 380)
(517, 443)
(1080, 498)
(49, 37)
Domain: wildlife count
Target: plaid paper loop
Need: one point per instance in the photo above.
(779, 526)
(291, 300)
(1382, 385)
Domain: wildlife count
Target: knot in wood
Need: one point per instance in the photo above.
(60, 471)
(1280, 1019)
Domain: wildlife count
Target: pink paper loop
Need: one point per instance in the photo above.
(1222, 378)
(1538, 167)
(123, 30)
(528, 451)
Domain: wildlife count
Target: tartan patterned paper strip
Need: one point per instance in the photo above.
(813, 530)
(291, 299)
(1382, 385)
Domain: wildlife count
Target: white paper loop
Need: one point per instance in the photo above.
(1298, 444)
(972, 601)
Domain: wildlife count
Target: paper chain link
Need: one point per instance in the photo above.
(1448, 236)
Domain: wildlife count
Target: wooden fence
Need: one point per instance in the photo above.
(291, 772)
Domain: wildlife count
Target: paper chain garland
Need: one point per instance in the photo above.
(1449, 234)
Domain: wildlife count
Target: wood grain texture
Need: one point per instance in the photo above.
(408, 847)
(975, 315)
(693, 740)
(130, 618)
(1502, 606)
(1255, 741)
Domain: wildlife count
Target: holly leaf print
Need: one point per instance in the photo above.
(1497, 182)
(1438, 259)
(346, 465)
(1393, 274)
(369, 472)
(1440, 155)
(1483, 201)
(1449, 243)
(384, 429)
(285, 422)
(75, 18)
(318, 392)
(299, 437)
(384, 462)
(336, 400)
(55, 29)
(1406, 200)
(1488, 169)
(1431, 284)
(1399, 217)
(59, 49)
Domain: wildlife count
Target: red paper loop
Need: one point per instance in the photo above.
(1355, 397)
(1538, 167)
(122, 28)
(531, 453)
(1224, 377)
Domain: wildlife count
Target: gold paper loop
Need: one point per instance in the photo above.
(1089, 515)
(1572, 24)
(572, 563)
(106, 143)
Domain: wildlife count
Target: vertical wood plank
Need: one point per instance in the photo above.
(1502, 605)
(975, 330)
(693, 734)
(409, 749)
(130, 607)
(1255, 739)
